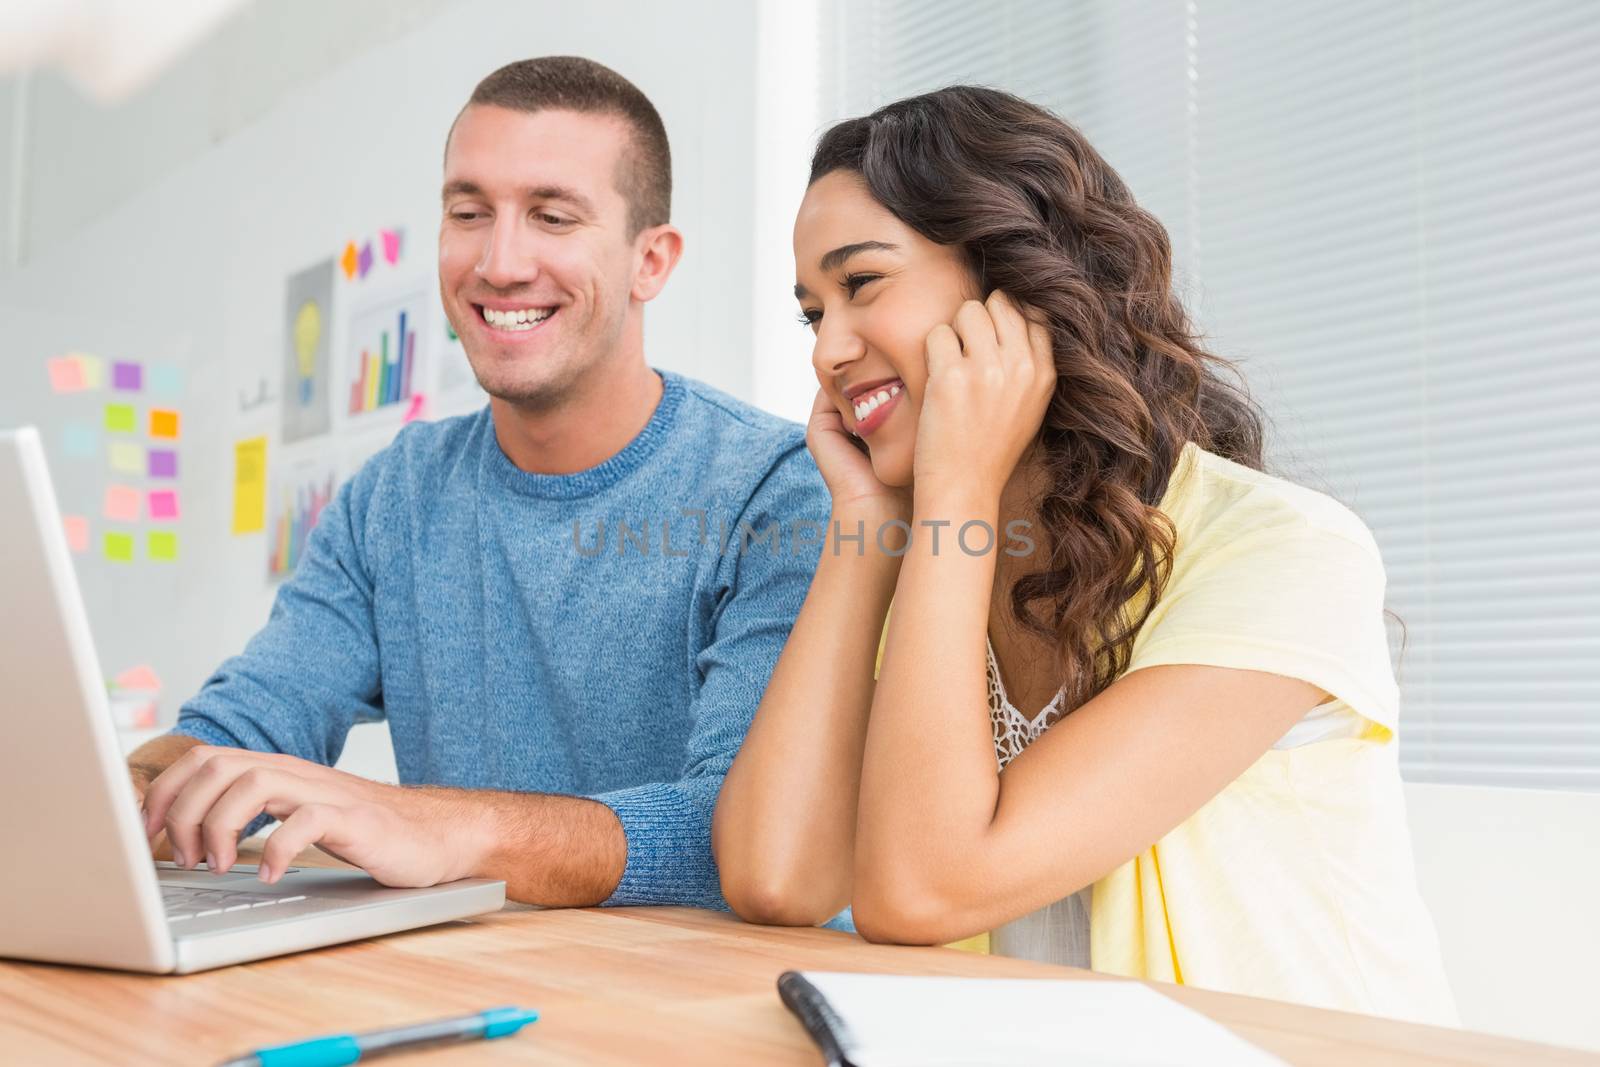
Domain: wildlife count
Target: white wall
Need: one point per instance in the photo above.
(190, 266)
(1512, 877)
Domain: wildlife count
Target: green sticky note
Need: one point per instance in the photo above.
(122, 418)
(163, 544)
(119, 547)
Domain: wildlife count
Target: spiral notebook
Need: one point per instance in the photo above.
(880, 1020)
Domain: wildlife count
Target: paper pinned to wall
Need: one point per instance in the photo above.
(162, 545)
(122, 503)
(307, 369)
(165, 379)
(66, 374)
(127, 377)
(79, 440)
(127, 457)
(122, 418)
(77, 528)
(164, 423)
(250, 486)
(119, 547)
(141, 677)
(163, 463)
(93, 369)
(163, 504)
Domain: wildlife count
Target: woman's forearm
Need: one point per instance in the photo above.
(784, 830)
(929, 781)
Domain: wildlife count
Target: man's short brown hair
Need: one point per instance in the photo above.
(572, 83)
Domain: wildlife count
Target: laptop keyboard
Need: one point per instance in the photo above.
(196, 902)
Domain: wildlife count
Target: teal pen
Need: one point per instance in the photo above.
(339, 1049)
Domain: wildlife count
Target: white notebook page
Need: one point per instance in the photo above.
(935, 1022)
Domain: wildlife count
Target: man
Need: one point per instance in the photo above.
(566, 606)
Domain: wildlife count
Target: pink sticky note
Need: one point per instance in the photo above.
(418, 409)
(66, 374)
(140, 677)
(77, 532)
(391, 245)
(163, 503)
(122, 503)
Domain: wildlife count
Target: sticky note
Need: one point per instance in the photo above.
(122, 503)
(127, 377)
(250, 486)
(77, 528)
(93, 369)
(119, 547)
(162, 545)
(78, 440)
(163, 463)
(391, 245)
(66, 374)
(140, 677)
(365, 260)
(121, 418)
(163, 423)
(163, 503)
(349, 261)
(164, 379)
(127, 457)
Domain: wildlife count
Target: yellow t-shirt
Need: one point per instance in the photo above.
(1296, 881)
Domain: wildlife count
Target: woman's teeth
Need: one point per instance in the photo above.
(867, 405)
(525, 319)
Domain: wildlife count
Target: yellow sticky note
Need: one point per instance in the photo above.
(92, 369)
(127, 457)
(119, 547)
(250, 486)
(121, 418)
(163, 545)
(163, 423)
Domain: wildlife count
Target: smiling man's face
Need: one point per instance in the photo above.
(536, 261)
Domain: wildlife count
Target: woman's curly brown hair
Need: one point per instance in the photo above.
(1038, 213)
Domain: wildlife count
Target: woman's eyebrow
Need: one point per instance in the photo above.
(835, 259)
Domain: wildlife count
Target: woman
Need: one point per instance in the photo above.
(1147, 721)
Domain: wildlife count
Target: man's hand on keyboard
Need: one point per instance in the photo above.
(401, 836)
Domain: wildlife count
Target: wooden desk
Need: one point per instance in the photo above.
(617, 986)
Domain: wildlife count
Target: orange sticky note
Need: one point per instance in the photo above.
(122, 503)
(163, 423)
(77, 528)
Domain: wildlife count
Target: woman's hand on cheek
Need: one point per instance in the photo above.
(845, 468)
(991, 375)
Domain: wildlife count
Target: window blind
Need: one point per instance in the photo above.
(1387, 213)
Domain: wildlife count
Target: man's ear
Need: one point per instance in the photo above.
(656, 251)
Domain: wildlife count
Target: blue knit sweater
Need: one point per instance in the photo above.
(605, 634)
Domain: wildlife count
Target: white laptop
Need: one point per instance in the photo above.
(77, 883)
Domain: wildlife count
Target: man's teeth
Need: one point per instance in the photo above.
(525, 319)
(867, 405)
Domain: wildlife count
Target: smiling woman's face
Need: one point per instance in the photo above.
(872, 289)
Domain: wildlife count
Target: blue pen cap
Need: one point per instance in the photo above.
(322, 1052)
(498, 1022)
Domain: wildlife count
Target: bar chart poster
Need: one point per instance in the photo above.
(299, 495)
(381, 370)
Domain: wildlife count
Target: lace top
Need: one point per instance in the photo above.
(1059, 932)
(1014, 731)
